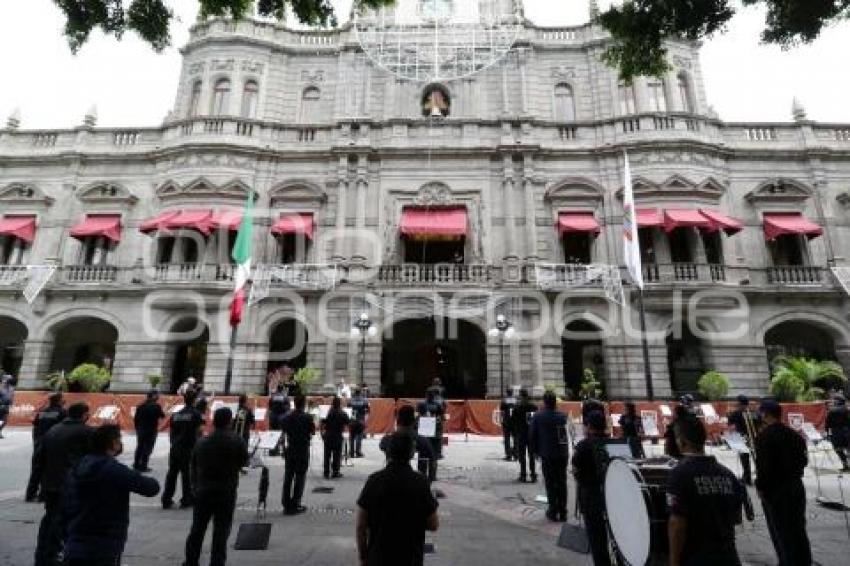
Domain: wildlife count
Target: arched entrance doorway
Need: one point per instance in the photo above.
(685, 362)
(414, 356)
(799, 339)
(581, 346)
(288, 345)
(189, 356)
(84, 340)
(12, 336)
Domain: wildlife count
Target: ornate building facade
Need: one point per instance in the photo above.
(423, 205)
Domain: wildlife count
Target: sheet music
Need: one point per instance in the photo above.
(811, 433)
(428, 427)
(649, 421)
(615, 420)
(269, 439)
(665, 411)
(709, 413)
(260, 414)
(323, 411)
(736, 442)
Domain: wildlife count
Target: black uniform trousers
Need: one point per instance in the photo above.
(49, 542)
(507, 438)
(333, 455)
(93, 562)
(178, 463)
(524, 455)
(785, 512)
(294, 476)
(747, 468)
(145, 442)
(356, 430)
(35, 474)
(218, 507)
(555, 479)
(594, 524)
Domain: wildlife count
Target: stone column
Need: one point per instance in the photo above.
(361, 181)
(528, 182)
(134, 361)
(508, 209)
(35, 364)
(340, 251)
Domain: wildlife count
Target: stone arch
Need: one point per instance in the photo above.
(82, 339)
(297, 191)
(574, 189)
(288, 339)
(185, 356)
(582, 348)
(839, 332)
(13, 334)
(56, 320)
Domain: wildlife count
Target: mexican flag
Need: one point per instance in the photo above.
(631, 243)
(241, 255)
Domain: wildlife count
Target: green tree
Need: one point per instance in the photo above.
(152, 19)
(89, 377)
(640, 27)
(713, 386)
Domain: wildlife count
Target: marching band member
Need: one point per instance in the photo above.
(631, 426)
(519, 423)
(746, 422)
(684, 409)
(244, 422)
(589, 463)
(332, 427)
(838, 429)
(548, 440)
(357, 429)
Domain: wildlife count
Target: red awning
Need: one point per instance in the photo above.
(201, 220)
(106, 225)
(722, 222)
(21, 227)
(423, 223)
(684, 218)
(577, 222)
(294, 223)
(227, 219)
(779, 224)
(649, 218)
(157, 222)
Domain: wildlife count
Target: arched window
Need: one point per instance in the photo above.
(565, 105)
(626, 95)
(310, 99)
(685, 92)
(250, 95)
(436, 101)
(194, 99)
(221, 98)
(657, 95)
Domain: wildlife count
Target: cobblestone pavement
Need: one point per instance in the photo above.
(487, 518)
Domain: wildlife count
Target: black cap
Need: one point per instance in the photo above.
(770, 407)
(596, 420)
(686, 399)
(743, 400)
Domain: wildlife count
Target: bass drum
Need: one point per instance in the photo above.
(636, 510)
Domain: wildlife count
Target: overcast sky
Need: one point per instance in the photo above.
(134, 86)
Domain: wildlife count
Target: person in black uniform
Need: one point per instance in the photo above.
(838, 429)
(746, 422)
(684, 409)
(59, 451)
(332, 427)
(434, 406)
(46, 418)
(299, 427)
(781, 458)
(244, 421)
(506, 408)
(548, 439)
(279, 405)
(519, 422)
(216, 461)
(185, 428)
(146, 421)
(632, 428)
(590, 461)
(705, 501)
(406, 424)
(359, 406)
(590, 405)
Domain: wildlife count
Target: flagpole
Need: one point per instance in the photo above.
(228, 373)
(647, 375)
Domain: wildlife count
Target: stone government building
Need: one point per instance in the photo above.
(520, 175)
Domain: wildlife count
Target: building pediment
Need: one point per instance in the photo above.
(297, 191)
(675, 187)
(778, 191)
(202, 188)
(24, 194)
(435, 193)
(574, 192)
(106, 193)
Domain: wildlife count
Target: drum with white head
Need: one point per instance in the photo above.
(628, 516)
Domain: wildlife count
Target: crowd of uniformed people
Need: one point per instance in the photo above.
(85, 490)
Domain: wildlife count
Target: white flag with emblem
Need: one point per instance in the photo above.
(631, 243)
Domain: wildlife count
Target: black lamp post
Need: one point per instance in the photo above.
(503, 327)
(364, 327)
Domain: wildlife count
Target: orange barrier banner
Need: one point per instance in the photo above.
(474, 416)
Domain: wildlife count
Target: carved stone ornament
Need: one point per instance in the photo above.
(252, 67)
(203, 190)
(676, 186)
(222, 64)
(434, 194)
(314, 76)
(778, 191)
(562, 72)
(682, 62)
(197, 68)
(24, 193)
(297, 191)
(106, 193)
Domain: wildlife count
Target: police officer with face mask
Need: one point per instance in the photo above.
(51, 414)
(186, 425)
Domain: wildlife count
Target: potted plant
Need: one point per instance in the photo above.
(90, 378)
(713, 386)
(57, 381)
(805, 379)
(305, 377)
(154, 379)
(590, 386)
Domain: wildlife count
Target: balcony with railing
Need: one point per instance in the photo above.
(684, 273)
(90, 273)
(11, 275)
(437, 274)
(796, 275)
(305, 276)
(192, 273)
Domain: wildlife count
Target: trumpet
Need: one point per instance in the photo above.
(752, 431)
